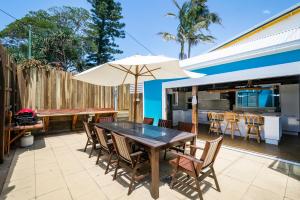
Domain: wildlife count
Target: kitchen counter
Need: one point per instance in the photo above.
(271, 131)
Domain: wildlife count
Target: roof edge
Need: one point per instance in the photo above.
(257, 26)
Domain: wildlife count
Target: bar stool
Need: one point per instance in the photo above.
(215, 122)
(232, 123)
(253, 124)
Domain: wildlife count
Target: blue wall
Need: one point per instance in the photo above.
(274, 59)
(153, 99)
(153, 95)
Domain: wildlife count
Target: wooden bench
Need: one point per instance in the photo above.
(74, 113)
(20, 130)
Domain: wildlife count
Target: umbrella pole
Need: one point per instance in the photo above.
(135, 96)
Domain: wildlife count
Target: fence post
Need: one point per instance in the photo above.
(2, 111)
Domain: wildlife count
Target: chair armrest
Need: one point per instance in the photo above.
(136, 153)
(192, 159)
(188, 157)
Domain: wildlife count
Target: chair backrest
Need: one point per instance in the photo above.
(210, 151)
(165, 123)
(148, 121)
(87, 130)
(122, 147)
(187, 127)
(102, 138)
(105, 119)
(231, 116)
(252, 119)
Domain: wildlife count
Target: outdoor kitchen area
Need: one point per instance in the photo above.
(269, 108)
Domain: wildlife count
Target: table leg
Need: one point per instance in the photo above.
(154, 173)
(96, 118)
(74, 120)
(46, 123)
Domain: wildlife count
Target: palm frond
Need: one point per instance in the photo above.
(168, 36)
(176, 4)
(169, 14)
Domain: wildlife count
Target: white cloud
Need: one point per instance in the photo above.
(266, 12)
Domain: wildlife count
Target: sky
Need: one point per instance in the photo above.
(145, 18)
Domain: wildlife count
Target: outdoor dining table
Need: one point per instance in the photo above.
(154, 139)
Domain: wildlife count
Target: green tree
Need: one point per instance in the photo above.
(105, 28)
(194, 19)
(58, 35)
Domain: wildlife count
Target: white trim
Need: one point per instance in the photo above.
(283, 47)
(287, 69)
(256, 26)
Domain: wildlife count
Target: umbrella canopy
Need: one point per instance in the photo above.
(124, 71)
(133, 70)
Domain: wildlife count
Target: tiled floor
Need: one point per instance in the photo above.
(288, 149)
(57, 168)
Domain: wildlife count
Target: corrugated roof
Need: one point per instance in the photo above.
(255, 48)
(291, 9)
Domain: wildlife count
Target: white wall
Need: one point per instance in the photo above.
(290, 107)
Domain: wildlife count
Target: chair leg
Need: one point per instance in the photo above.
(87, 142)
(198, 189)
(99, 154)
(257, 134)
(93, 146)
(237, 127)
(226, 127)
(165, 155)
(116, 170)
(132, 180)
(215, 179)
(108, 163)
(173, 178)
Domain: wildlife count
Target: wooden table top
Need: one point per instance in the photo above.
(68, 112)
(151, 136)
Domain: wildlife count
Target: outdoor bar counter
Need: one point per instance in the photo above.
(271, 131)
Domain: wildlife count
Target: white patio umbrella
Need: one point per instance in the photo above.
(133, 70)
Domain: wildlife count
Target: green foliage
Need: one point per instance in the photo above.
(104, 29)
(194, 19)
(58, 35)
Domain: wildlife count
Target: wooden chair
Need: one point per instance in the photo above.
(186, 127)
(148, 121)
(253, 124)
(165, 123)
(105, 119)
(201, 168)
(215, 120)
(106, 145)
(232, 123)
(91, 138)
(132, 160)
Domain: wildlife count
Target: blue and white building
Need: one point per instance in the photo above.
(266, 56)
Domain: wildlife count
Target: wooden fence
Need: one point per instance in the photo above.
(49, 88)
(8, 93)
(55, 89)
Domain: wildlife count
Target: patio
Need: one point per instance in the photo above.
(57, 168)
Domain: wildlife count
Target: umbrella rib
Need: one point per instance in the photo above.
(126, 74)
(141, 69)
(127, 70)
(118, 68)
(150, 71)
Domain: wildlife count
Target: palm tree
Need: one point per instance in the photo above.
(180, 37)
(199, 18)
(194, 19)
